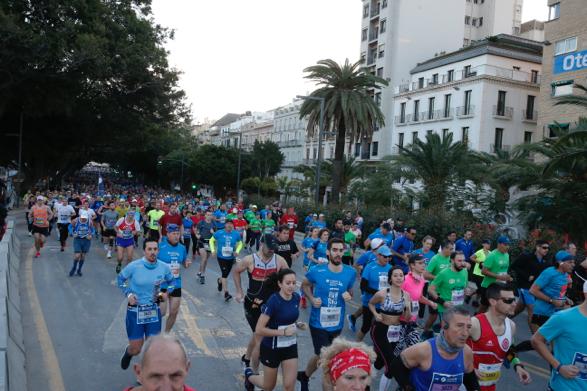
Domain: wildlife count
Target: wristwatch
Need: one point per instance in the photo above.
(550, 300)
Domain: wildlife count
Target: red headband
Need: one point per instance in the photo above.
(349, 359)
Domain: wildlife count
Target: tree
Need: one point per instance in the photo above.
(349, 108)
(266, 158)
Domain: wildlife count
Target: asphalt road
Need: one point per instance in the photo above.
(75, 334)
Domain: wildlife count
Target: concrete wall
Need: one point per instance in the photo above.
(12, 357)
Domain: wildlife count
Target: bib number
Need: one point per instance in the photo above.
(580, 361)
(443, 382)
(383, 283)
(227, 252)
(415, 308)
(285, 341)
(175, 269)
(489, 374)
(458, 297)
(206, 246)
(290, 225)
(330, 316)
(393, 332)
(147, 313)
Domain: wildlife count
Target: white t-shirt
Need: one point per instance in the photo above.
(64, 213)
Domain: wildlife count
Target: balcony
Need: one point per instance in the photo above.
(503, 112)
(371, 60)
(400, 120)
(530, 116)
(375, 11)
(495, 148)
(289, 143)
(436, 115)
(465, 111)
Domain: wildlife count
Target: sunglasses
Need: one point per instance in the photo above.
(545, 247)
(509, 300)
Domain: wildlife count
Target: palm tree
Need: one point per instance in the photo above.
(349, 108)
(437, 163)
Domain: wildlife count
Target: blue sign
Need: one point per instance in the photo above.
(570, 62)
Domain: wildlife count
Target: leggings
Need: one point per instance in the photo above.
(186, 243)
(382, 346)
(63, 232)
(194, 244)
(255, 239)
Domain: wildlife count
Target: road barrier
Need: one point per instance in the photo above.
(12, 357)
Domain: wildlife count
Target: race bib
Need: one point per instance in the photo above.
(147, 313)
(64, 218)
(489, 374)
(285, 341)
(127, 233)
(206, 246)
(415, 307)
(227, 252)
(442, 382)
(155, 224)
(393, 332)
(458, 297)
(580, 361)
(330, 316)
(39, 221)
(290, 224)
(175, 269)
(383, 283)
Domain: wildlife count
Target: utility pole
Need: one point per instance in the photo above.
(320, 136)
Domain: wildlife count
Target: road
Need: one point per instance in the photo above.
(74, 326)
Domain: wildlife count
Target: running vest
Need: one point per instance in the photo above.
(258, 287)
(443, 374)
(490, 351)
(40, 216)
(127, 229)
(389, 307)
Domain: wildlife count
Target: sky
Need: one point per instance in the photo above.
(249, 55)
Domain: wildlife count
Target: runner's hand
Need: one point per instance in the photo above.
(301, 325)
(378, 317)
(317, 302)
(569, 371)
(132, 299)
(290, 330)
(188, 263)
(523, 376)
(346, 296)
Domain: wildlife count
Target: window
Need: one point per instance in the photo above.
(474, 22)
(378, 99)
(435, 78)
(450, 75)
(480, 21)
(364, 35)
(527, 137)
(384, 4)
(467, 71)
(447, 99)
(381, 50)
(402, 113)
(466, 42)
(365, 10)
(467, 102)
(380, 72)
(421, 82)
(416, 110)
(467, 20)
(414, 137)
(357, 149)
(383, 26)
(498, 142)
(375, 148)
(534, 76)
(400, 139)
(501, 103)
(562, 88)
(331, 152)
(565, 46)
(465, 135)
(429, 132)
(554, 11)
(431, 108)
(516, 68)
(445, 133)
(366, 151)
(314, 153)
(530, 107)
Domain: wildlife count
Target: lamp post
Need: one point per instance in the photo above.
(238, 168)
(320, 135)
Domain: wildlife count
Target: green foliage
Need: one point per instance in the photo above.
(266, 159)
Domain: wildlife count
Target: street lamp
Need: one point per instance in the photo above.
(320, 135)
(238, 169)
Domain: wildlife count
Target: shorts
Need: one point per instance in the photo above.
(272, 357)
(526, 297)
(539, 320)
(40, 230)
(153, 234)
(482, 296)
(347, 260)
(109, 233)
(202, 242)
(175, 293)
(367, 320)
(322, 338)
(81, 245)
(252, 314)
(225, 266)
(124, 243)
(136, 331)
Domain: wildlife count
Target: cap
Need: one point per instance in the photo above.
(486, 241)
(83, 215)
(40, 198)
(321, 214)
(234, 210)
(269, 241)
(134, 200)
(314, 214)
(375, 243)
(503, 240)
(415, 258)
(253, 206)
(385, 251)
(386, 226)
(563, 256)
(172, 228)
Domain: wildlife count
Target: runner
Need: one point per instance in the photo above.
(286, 247)
(347, 365)
(268, 224)
(204, 232)
(307, 244)
(64, 213)
(566, 331)
(402, 247)
(373, 279)
(96, 206)
(141, 281)
(259, 267)
(188, 223)
(152, 218)
(109, 220)
(220, 217)
(254, 235)
(338, 229)
(240, 225)
(465, 244)
(290, 219)
(318, 253)
(327, 287)
(492, 338)
(278, 325)
(226, 244)
(426, 251)
(171, 217)
(444, 362)
(478, 258)
(82, 231)
(384, 232)
(174, 254)
(495, 268)
(350, 242)
(126, 227)
(40, 215)
(415, 284)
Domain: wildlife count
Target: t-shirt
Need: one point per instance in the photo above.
(174, 256)
(366, 258)
(349, 240)
(387, 238)
(308, 243)
(291, 221)
(109, 218)
(255, 224)
(414, 286)
(281, 313)
(566, 329)
(187, 227)
(376, 276)
(249, 215)
(220, 221)
(319, 224)
(450, 286)
(320, 251)
(286, 249)
(329, 287)
(205, 229)
(226, 243)
(480, 255)
(167, 219)
(553, 284)
(268, 226)
(64, 213)
(143, 282)
(402, 245)
(496, 262)
(466, 246)
(154, 216)
(437, 264)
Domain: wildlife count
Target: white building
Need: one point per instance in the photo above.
(230, 132)
(396, 34)
(533, 29)
(289, 134)
(485, 94)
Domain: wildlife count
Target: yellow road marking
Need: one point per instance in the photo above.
(537, 370)
(192, 330)
(47, 349)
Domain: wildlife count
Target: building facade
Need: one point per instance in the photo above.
(565, 62)
(484, 94)
(290, 135)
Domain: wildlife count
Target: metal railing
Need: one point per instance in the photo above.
(529, 116)
(503, 112)
(466, 111)
(495, 148)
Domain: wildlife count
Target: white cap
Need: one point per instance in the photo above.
(83, 215)
(375, 243)
(40, 198)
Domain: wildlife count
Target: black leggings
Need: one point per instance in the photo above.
(382, 346)
(186, 243)
(254, 239)
(63, 232)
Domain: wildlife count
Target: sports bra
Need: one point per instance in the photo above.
(393, 308)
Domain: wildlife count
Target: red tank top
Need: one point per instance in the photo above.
(262, 270)
(40, 216)
(127, 228)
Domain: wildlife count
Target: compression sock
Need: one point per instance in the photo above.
(81, 263)
(72, 271)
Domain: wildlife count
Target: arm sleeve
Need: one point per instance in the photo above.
(213, 244)
(470, 381)
(122, 277)
(239, 246)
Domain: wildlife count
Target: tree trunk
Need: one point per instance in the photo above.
(338, 162)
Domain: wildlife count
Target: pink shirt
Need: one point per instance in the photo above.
(414, 287)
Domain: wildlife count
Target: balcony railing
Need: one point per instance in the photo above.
(375, 11)
(503, 112)
(465, 111)
(400, 120)
(494, 148)
(530, 116)
(289, 143)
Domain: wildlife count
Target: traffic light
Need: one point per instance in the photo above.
(194, 187)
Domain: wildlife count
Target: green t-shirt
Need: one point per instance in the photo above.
(249, 215)
(154, 217)
(437, 264)
(255, 225)
(480, 259)
(498, 263)
(231, 216)
(268, 226)
(350, 239)
(450, 286)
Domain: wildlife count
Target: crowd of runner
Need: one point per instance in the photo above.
(438, 315)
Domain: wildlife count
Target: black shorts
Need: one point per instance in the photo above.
(175, 293)
(482, 296)
(252, 313)
(272, 357)
(367, 320)
(109, 233)
(225, 266)
(202, 242)
(539, 320)
(40, 230)
(322, 338)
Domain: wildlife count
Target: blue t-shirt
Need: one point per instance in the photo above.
(329, 287)
(95, 206)
(174, 256)
(554, 285)
(566, 328)
(281, 313)
(402, 245)
(226, 243)
(388, 238)
(320, 250)
(466, 246)
(143, 282)
(319, 224)
(376, 276)
(428, 256)
(81, 230)
(307, 243)
(366, 258)
(187, 227)
(221, 216)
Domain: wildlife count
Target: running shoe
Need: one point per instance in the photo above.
(246, 362)
(304, 381)
(227, 297)
(352, 323)
(79, 273)
(109, 255)
(118, 268)
(38, 254)
(62, 249)
(202, 279)
(125, 359)
(248, 385)
(219, 282)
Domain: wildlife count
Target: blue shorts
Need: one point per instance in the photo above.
(140, 331)
(526, 297)
(81, 245)
(121, 242)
